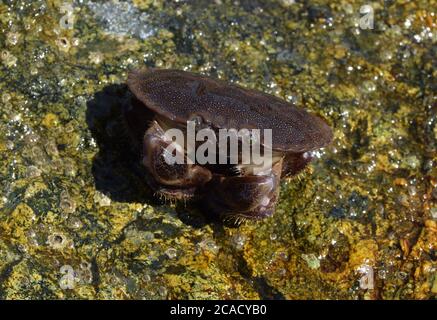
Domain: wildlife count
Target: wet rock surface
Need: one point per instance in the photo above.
(78, 221)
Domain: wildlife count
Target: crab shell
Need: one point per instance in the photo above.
(179, 96)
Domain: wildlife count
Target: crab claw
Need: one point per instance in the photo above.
(247, 197)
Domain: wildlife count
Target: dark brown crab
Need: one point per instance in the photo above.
(165, 99)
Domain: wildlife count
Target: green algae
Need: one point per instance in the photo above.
(77, 220)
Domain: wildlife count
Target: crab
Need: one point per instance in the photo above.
(163, 99)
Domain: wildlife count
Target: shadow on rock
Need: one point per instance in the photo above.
(116, 167)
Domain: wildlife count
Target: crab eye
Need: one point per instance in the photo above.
(198, 120)
(307, 155)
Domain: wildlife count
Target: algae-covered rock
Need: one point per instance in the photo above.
(77, 219)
